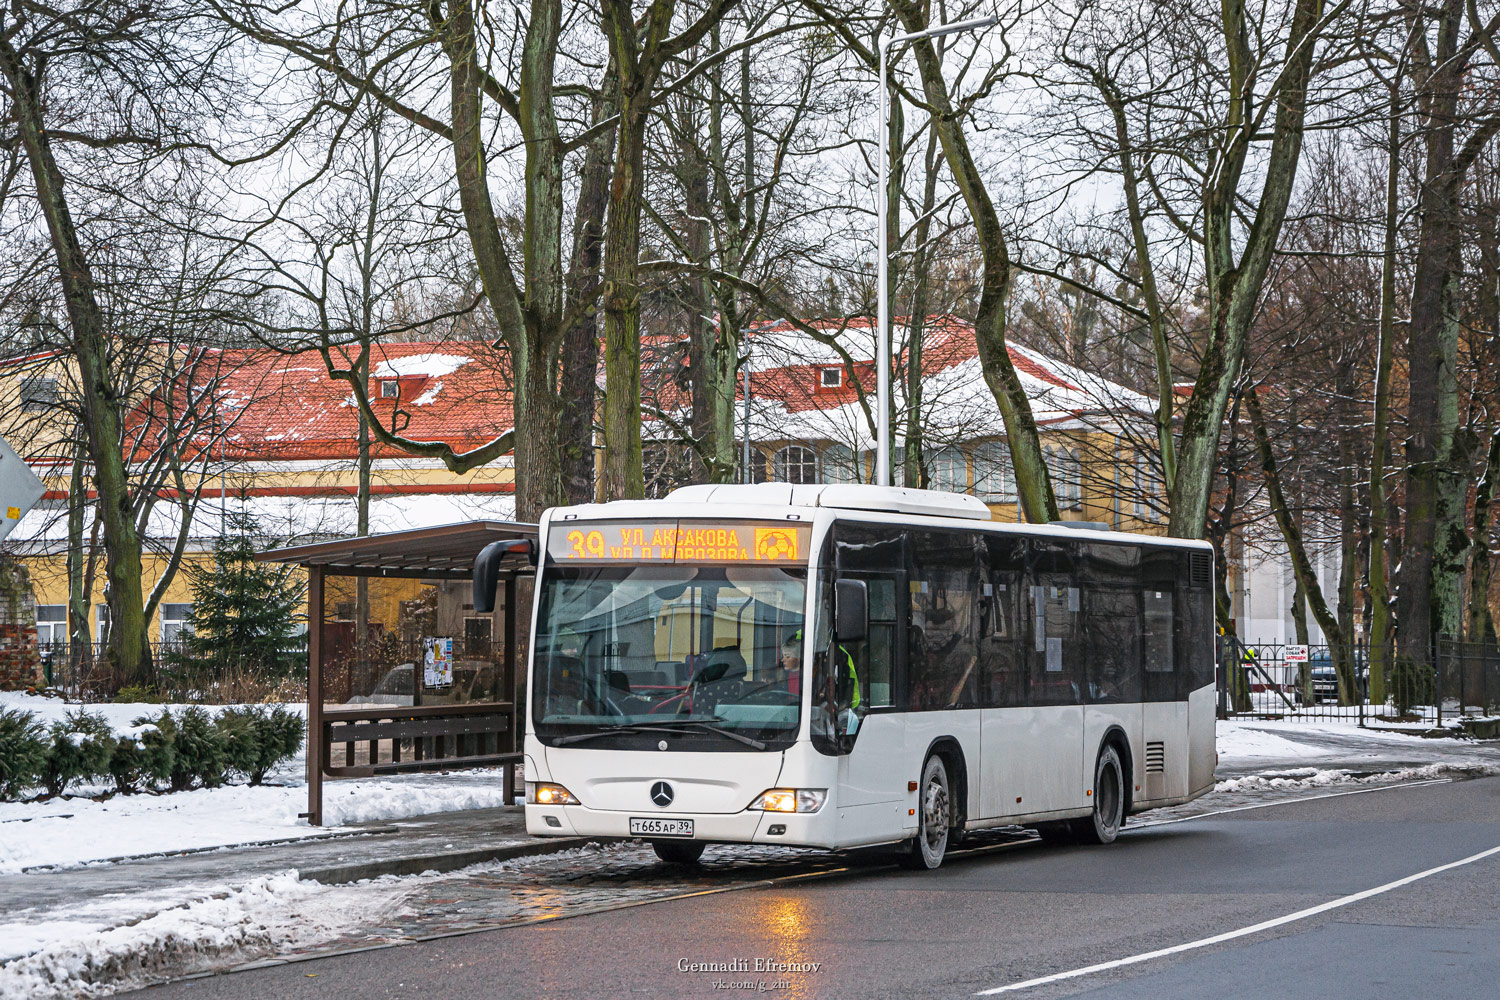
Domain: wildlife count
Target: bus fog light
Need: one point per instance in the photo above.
(789, 800)
(542, 793)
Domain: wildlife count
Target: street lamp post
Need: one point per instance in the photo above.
(882, 277)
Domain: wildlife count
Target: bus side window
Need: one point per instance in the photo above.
(1162, 653)
(1054, 606)
(1112, 630)
(942, 664)
(1000, 663)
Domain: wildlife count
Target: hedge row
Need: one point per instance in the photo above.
(176, 749)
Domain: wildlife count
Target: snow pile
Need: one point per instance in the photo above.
(1310, 777)
(366, 801)
(267, 916)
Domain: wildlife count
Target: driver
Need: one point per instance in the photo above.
(791, 665)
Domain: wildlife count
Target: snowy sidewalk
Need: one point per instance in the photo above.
(363, 845)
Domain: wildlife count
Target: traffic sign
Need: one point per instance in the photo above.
(20, 489)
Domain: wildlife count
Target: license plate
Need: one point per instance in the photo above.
(660, 827)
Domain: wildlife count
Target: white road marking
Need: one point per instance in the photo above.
(1264, 925)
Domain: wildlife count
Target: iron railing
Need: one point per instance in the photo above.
(84, 673)
(1256, 680)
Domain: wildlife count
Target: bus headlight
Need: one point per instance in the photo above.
(542, 793)
(790, 800)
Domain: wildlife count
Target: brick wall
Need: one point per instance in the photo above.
(20, 663)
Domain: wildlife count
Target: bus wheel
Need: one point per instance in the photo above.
(1103, 825)
(678, 852)
(926, 850)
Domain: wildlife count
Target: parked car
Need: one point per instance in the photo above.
(1325, 678)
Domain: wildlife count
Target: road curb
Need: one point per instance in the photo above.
(448, 861)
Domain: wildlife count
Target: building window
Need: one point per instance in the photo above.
(174, 621)
(832, 378)
(1066, 470)
(994, 478)
(52, 624)
(838, 465)
(390, 389)
(38, 394)
(795, 464)
(1142, 486)
(948, 470)
(101, 623)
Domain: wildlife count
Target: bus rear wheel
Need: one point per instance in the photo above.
(925, 851)
(678, 852)
(1102, 826)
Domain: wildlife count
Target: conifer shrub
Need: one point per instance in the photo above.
(198, 748)
(23, 752)
(143, 756)
(256, 739)
(81, 744)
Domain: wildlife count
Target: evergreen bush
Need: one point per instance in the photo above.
(143, 756)
(198, 748)
(257, 739)
(81, 744)
(23, 752)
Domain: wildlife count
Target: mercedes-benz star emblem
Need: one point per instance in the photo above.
(661, 794)
(661, 745)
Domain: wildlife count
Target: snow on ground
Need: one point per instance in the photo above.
(74, 829)
(1313, 778)
(116, 946)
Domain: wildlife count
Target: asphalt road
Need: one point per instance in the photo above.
(1016, 913)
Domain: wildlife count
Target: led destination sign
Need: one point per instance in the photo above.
(679, 542)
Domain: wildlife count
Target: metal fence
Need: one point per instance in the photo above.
(85, 674)
(1257, 681)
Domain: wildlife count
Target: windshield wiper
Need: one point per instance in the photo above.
(665, 726)
(706, 727)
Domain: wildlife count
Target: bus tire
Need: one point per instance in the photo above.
(1103, 824)
(925, 851)
(678, 852)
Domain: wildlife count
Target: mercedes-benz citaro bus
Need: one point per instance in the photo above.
(842, 666)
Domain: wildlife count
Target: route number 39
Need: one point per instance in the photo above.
(585, 545)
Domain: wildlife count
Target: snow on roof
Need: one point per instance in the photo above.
(281, 517)
(431, 365)
(790, 402)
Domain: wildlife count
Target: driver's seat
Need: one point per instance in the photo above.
(724, 662)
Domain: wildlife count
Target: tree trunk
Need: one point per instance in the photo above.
(1338, 646)
(1033, 484)
(80, 633)
(1380, 595)
(129, 649)
(1481, 625)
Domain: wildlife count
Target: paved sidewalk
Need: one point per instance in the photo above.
(442, 841)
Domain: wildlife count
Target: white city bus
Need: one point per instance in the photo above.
(948, 673)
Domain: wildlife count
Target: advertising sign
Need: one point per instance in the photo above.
(437, 661)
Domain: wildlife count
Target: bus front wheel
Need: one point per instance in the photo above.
(926, 850)
(678, 852)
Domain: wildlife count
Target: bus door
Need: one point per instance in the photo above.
(872, 783)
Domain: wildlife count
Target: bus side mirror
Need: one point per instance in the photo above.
(851, 610)
(487, 569)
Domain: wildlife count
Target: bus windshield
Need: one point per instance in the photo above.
(708, 657)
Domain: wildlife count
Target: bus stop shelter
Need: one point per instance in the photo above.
(404, 675)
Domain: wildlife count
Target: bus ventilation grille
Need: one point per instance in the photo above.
(1201, 569)
(1156, 758)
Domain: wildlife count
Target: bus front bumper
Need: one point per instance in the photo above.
(746, 827)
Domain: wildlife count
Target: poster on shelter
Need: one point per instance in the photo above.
(437, 660)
